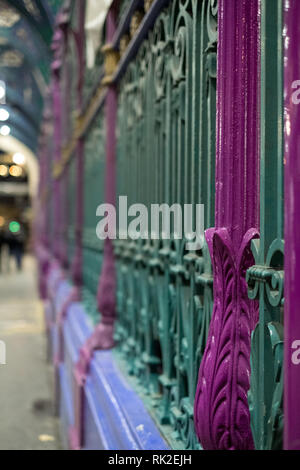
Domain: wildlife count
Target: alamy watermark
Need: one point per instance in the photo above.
(296, 352)
(162, 221)
(296, 93)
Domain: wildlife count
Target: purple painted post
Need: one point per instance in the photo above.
(47, 129)
(106, 296)
(42, 253)
(66, 138)
(76, 268)
(102, 337)
(222, 417)
(56, 94)
(58, 47)
(41, 234)
(39, 219)
(292, 229)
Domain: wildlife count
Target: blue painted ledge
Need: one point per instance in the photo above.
(114, 416)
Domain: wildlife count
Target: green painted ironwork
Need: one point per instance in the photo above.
(73, 87)
(124, 4)
(91, 77)
(265, 279)
(166, 154)
(55, 5)
(93, 196)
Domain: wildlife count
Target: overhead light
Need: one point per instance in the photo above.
(5, 130)
(4, 170)
(4, 115)
(2, 92)
(15, 171)
(19, 159)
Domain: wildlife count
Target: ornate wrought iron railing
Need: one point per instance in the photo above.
(265, 279)
(93, 183)
(166, 153)
(166, 147)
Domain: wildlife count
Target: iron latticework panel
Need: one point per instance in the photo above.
(266, 278)
(93, 197)
(166, 147)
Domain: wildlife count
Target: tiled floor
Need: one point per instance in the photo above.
(26, 410)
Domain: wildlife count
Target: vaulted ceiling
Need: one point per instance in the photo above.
(26, 29)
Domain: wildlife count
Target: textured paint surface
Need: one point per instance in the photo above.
(222, 416)
(292, 226)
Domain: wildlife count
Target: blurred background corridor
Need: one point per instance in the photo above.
(27, 418)
(26, 392)
(128, 339)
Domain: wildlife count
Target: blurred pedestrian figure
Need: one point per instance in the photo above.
(16, 243)
(5, 250)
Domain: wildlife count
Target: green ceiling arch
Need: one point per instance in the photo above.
(26, 30)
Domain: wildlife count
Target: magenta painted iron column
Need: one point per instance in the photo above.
(292, 228)
(76, 267)
(66, 137)
(56, 94)
(76, 264)
(102, 337)
(39, 226)
(58, 47)
(42, 229)
(222, 417)
(106, 296)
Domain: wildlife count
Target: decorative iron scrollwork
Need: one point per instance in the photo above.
(165, 293)
(265, 283)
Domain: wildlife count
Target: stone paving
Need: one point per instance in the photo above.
(27, 421)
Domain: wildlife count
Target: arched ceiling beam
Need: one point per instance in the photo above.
(20, 119)
(21, 126)
(9, 74)
(13, 112)
(29, 59)
(29, 110)
(44, 28)
(13, 145)
(32, 144)
(9, 34)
